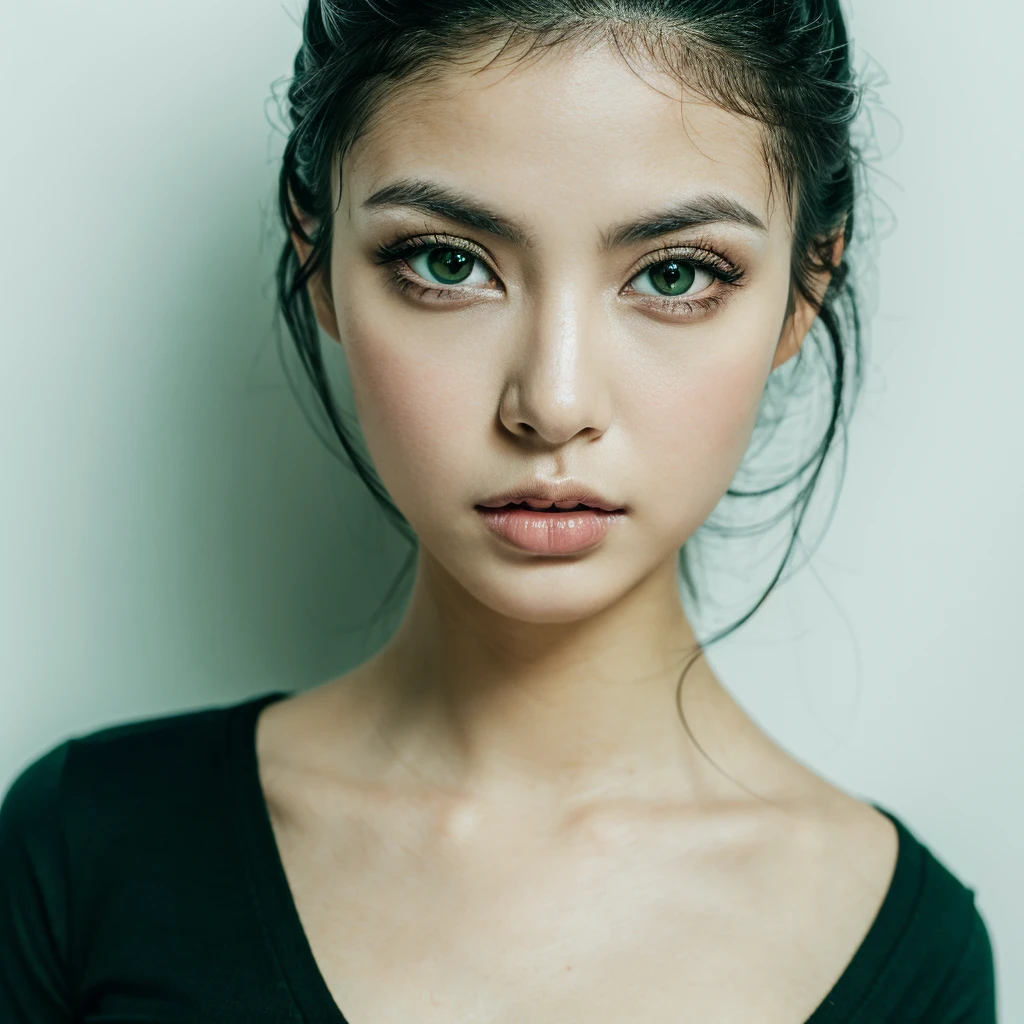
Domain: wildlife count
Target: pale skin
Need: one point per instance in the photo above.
(500, 817)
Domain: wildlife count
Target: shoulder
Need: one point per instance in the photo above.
(30, 827)
(969, 994)
(927, 954)
(88, 811)
(34, 911)
(935, 941)
(92, 825)
(953, 932)
(97, 782)
(35, 791)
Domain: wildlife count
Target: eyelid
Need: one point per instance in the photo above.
(389, 252)
(698, 254)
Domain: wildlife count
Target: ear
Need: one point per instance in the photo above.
(319, 291)
(798, 323)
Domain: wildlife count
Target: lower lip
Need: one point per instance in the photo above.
(550, 533)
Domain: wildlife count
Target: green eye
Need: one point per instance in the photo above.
(449, 266)
(672, 277)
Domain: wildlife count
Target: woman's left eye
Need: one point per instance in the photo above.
(673, 279)
(445, 265)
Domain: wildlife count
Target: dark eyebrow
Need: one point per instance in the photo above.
(709, 208)
(433, 197)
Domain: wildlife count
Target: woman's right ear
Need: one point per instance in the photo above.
(319, 295)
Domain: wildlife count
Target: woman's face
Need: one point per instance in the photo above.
(559, 343)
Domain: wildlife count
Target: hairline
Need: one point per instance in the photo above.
(462, 54)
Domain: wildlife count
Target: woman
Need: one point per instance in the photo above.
(565, 245)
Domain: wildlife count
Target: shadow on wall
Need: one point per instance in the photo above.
(275, 555)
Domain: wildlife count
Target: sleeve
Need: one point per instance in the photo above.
(968, 995)
(34, 933)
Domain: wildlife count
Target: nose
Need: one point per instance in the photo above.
(559, 382)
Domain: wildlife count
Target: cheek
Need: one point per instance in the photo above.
(694, 425)
(418, 414)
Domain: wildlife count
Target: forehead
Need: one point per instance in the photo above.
(574, 130)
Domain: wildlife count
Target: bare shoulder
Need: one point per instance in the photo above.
(868, 835)
(860, 844)
(302, 742)
(305, 727)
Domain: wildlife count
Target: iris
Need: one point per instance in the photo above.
(673, 277)
(450, 265)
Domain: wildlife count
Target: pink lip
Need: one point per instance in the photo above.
(550, 533)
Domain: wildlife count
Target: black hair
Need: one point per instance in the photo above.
(785, 63)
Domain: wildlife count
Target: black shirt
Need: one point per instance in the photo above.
(140, 883)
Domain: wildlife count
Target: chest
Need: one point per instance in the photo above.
(616, 919)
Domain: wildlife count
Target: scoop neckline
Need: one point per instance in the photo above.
(286, 938)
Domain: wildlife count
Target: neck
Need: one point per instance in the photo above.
(542, 713)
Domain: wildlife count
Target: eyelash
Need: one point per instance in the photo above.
(699, 255)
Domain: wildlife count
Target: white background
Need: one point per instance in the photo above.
(173, 535)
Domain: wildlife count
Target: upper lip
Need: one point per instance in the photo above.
(566, 491)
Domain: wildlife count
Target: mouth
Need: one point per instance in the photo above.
(559, 528)
(578, 499)
(552, 508)
(558, 501)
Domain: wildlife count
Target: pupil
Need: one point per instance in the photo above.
(673, 278)
(450, 265)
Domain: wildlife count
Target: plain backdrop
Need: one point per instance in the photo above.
(174, 535)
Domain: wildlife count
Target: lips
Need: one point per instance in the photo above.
(551, 530)
(567, 496)
(539, 505)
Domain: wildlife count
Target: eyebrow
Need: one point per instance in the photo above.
(433, 197)
(458, 206)
(709, 208)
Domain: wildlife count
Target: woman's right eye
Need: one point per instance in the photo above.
(447, 266)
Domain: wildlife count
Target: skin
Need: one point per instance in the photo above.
(526, 674)
(521, 722)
